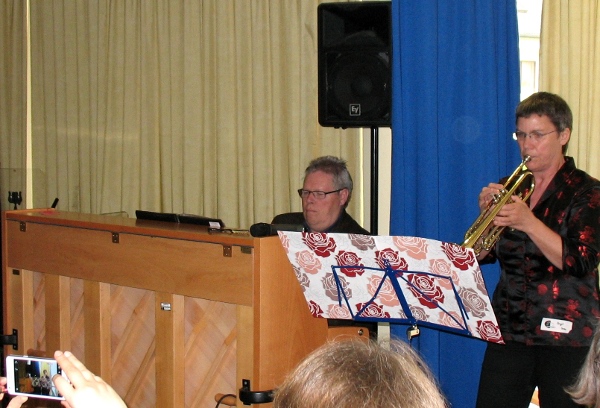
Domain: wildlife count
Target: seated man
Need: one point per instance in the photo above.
(325, 195)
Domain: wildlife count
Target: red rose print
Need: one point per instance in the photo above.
(414, 246)
(418, 313)
(331, 289)
(452, 320)
(322, 244)
(584, 251)
(444, 268)
(315, 309)
(459, 256)
(362, 242)
(489, 331)
(387, 295)
(572, 312)
(302, 278)
(480, 283)
(308, 261)
(473, 303)
(345, 258)
(372, 310)
(587, 235)
(285, 241)
(392, 257)
(594, 199)
(425, 290)
(339, 312)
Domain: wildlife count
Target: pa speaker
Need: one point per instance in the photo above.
(354, 57)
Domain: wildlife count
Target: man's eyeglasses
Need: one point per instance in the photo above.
(535, 135)
(319, 195)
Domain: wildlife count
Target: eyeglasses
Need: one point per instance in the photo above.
(319, 195)
(535, 135)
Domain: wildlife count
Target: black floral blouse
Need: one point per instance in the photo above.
(535, 302)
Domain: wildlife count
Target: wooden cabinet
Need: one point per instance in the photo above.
(167, 313)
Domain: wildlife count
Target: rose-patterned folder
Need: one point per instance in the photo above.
(395, 279)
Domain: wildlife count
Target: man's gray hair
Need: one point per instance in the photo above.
(336, 167)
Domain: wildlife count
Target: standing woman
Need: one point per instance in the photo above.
(546, 301)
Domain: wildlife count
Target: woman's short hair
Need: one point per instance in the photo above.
(359, 374)
(548, 104)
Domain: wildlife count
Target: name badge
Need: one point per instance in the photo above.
(555, 325)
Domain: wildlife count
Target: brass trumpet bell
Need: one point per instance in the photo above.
(482, 235)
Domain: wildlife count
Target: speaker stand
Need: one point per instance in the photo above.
(374, 179)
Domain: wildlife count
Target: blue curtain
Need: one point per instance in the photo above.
(455, 80)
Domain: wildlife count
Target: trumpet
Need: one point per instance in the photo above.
(482, 235)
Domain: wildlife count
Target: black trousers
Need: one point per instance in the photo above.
(511, 372)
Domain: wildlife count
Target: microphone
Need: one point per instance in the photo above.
(262, 229)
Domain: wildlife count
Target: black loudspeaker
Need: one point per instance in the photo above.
(355, 50)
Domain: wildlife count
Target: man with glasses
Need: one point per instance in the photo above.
(325, 195)
(547, 300)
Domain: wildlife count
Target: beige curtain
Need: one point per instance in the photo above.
(197, 106)
(570, 67)
(13, 113)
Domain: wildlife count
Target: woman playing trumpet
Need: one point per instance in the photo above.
(546, 301)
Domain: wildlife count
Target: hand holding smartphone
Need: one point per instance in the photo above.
(27, 376)
(32, 377)
(83, 389)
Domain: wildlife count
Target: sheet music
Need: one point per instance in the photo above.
(393, 279)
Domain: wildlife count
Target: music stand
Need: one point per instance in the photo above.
(394, 279)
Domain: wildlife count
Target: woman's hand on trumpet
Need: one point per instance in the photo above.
(516, 215)
(486, 197)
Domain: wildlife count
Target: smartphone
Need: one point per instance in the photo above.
(32, 377)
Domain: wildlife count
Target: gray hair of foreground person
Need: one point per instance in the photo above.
(358, 374)
(586, 390)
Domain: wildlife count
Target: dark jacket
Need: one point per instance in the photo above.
(345, 223)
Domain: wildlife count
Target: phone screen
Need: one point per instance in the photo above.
(32, 376)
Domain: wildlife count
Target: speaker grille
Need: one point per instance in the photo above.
(354, 64)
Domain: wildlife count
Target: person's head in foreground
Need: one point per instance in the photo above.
(357, 374)
(586, 390)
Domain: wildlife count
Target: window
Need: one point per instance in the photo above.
(529, 15)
